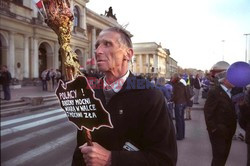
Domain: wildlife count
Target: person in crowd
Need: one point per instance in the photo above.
(153, 81)
(180, 100)
(58, 75)
(167, 92)
(190, 99)
(237, 97)
(49, 76)
(170, 104)
(44, 80)
(205, 84)
(191, 80)
(138, 115)
(197, 87)
(5, 77)
(160, 84)
(52, 75)
(220, 117)
(244, 120)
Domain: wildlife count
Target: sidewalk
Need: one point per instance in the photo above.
(27, 99)
(36, 91)
(201, 104)
(28, 91)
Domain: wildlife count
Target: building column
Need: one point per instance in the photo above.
(56, 56)
(26, 64)
(35, 59)
(140, 64)
(93, 38)
(155, 63)
(147, 62)
(11, 55)
(84, 25)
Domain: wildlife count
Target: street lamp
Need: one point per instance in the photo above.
(246, 46)
(223, 48)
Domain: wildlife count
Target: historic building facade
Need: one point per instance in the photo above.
(28, 46)
(172, 67)
(151, 59)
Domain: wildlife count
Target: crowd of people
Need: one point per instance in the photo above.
(226, 105)
(113, 51)
(180, 92)
(50, 78)
(150, 136)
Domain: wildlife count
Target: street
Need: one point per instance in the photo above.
(46, 137)
(196, 148)
(37, 138)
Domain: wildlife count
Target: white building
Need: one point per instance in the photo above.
(26, 40)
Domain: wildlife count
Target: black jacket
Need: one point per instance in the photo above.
(197, 83)
(244, 118)
(5, 78)
(220, 112)
(143, 121)
(180, 95)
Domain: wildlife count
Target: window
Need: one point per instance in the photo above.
(76, 17)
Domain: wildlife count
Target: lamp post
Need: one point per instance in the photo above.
(223, 48)
(246, 46)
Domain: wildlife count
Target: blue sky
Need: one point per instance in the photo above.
(193, 30)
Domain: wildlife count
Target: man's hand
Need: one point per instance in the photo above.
(95, 155)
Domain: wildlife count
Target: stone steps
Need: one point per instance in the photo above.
(27, 104)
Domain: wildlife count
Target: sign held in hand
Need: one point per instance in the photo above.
(82, 108)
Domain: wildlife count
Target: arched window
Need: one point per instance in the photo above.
(76, 17)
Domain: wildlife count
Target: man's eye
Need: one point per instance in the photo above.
(106, 43)
(97, 45)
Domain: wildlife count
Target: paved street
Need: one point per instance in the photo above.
(45, 137)
(39, 138)
(196, 148)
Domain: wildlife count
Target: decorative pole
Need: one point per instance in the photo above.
(59, 19)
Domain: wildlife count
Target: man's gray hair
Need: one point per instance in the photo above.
(124, 35)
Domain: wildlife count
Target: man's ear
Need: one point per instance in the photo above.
(129, 54)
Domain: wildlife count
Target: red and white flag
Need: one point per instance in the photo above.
(91, 61)
(40, 7)
(38, 3)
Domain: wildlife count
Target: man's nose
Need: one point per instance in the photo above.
(99, 49)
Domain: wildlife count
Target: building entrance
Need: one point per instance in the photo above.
(42, 59)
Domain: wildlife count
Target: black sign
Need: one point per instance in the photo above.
(82, 108)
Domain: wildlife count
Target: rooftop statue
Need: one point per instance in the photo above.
(109, 13)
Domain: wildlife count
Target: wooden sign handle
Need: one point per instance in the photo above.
(59, 19)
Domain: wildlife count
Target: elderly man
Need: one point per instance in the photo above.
(143, 133)
(220, 119)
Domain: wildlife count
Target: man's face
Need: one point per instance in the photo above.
(111, 53)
